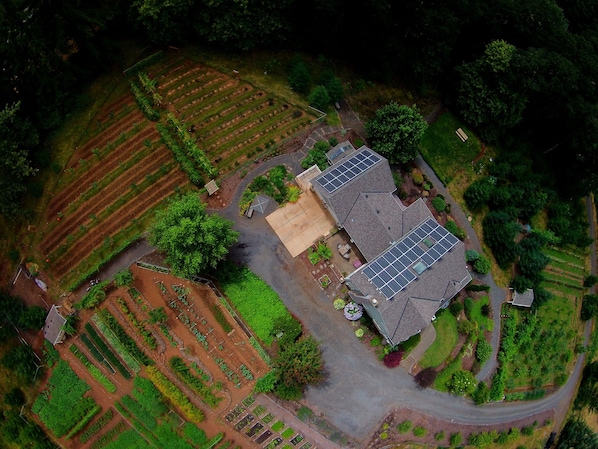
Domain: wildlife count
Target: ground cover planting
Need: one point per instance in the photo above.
(247, 293)
(93, 370)
(564, 275)
(63, 406)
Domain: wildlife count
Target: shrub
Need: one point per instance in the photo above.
(590, 280)
(455, 308)
(418, 177)
(393, 359)
(439, 203)
(482, 265)
(405, 426)
(478, 193)
(15, 397)
(94, 297)
(359, 333)
(339, 304)
(123, 278)
(426, 377)
(477, 287)
(298, 75)
(452, 227)
(455, 439)
(481, 394)
(465, 327)
(420, 431)
(286, 329)
(468, 304)
(462, 383)
(319, 98)
(439, 436)
(471, 255)
(266, 383)
(483, 351)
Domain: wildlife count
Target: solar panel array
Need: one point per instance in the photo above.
(347, 171)
(392, 271)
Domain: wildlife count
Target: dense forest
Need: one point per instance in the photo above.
(522, 73)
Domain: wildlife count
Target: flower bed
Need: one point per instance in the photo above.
(353, 311)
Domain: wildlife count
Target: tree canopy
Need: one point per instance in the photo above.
(395, 132)
(192, 239)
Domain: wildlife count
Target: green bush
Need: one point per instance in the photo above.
(452, 227)
(319, 98)
(439, 203)
(481, 394)
(482, 265)
(483, 351)
(455, 308)
(286, 329)
(462, 383)
(405, 426)
(124, 278)
(420, 431)
(439, 436)
(204, 391)
(266, 383)
(94, 297)
(298, 75)
(455, 439)
(471, 255)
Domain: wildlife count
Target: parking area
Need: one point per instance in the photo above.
(298, 225)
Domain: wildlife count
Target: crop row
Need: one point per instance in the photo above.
(118, 346)
(96, 427)
(144, 104)
(103, 347)
(184, 374)
(191, 325)
(190, 146)
(180, 156)
(220, 318)
(93, 370)
(106, 194)
(191, 92)
(84, 421)
(214, 89)
(176, 396)
(139, 412)
(61, 258)
(249, 113)
(173, 79)
(231, 101)
(228, 372)
(132, 348)
(98, 171)
(109, 436)
(147, 336)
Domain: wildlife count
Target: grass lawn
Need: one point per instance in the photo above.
(484, 323)
(444, 150)
(446, 338)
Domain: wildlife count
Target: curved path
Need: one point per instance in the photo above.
(359, 391)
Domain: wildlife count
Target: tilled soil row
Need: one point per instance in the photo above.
(199, 94)
(179, 91)
(188, 74)
(225, 94)
(115, 107)
(243, 95)
(196, 93)
(244, 123)
(108, 135)
(97, 203)
(253, 105)
(229, 111)
(116, 221)
(99, 170)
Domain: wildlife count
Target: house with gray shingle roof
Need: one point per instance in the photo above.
(414, 266)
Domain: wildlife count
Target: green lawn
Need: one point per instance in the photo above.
(484, 323)
(574, 259)
(446, 338)
(444, 150)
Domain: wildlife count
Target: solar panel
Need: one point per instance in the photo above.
(392, 271)
(348, 170)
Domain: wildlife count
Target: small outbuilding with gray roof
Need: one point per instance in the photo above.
(54, 326)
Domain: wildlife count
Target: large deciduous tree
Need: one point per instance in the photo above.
(297, 365)
(487, 98)
(192, 239)
(395, 132)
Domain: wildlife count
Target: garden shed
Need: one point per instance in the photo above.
(54, 326)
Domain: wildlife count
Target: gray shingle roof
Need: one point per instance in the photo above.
(53, 331)
(525, 299)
